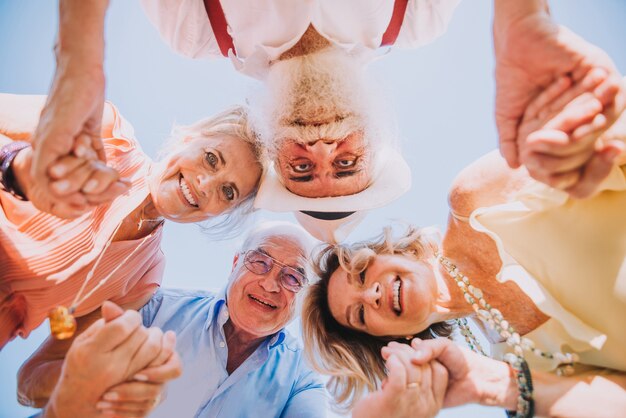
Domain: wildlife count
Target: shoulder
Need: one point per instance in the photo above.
(167, 303)
(485, 182)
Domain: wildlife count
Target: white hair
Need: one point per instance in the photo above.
(268, 230)
(331, 86)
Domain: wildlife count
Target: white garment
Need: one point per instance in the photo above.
(263, 29)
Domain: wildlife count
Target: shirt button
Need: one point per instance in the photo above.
(222, 344)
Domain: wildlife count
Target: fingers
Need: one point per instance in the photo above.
(439, 381)
(442, 350)
(168, 345)
(133, 392)
(111, 311)
(115, 189)
(577, 112)
(595, 171)
(118, 330)
(508, 150)
(547, 96)
(100, 179)
(89, 174)
(64, 165)
(396, 375)
(161, 374)
(142, 348)
(83, 147)
(542, 166)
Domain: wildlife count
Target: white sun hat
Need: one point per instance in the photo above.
(391, 178)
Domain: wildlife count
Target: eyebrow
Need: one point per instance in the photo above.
(342, 174)
(219, 154)
(301, 179)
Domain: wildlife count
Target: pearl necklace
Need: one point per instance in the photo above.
(494, 319)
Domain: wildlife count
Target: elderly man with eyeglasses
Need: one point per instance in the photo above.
(238, 360)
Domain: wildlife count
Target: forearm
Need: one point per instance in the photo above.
(81, 32)
(597, 395)
(36, 384)
(508, 11)
(581, 396)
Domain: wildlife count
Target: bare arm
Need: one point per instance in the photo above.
(477, 379)
(38, 376)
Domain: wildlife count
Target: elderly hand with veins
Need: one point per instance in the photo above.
(111, 354)
(566, 134)
(409, 391)
(531, 52)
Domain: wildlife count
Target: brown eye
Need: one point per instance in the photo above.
(362, 315)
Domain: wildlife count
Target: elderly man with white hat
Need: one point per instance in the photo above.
(319, 118)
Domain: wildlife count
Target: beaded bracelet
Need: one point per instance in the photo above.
(525, 401)
(7, 177)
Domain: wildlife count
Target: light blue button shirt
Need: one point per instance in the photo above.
(273, 382)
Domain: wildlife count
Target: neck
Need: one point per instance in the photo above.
(241, 345)
(310, 42)
(451, 303)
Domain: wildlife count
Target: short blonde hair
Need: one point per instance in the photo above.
(233, 121)
(352, 358)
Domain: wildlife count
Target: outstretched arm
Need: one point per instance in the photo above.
(71, 118)
(532, 51)
(477, 379)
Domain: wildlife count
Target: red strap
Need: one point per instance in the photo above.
(397, 17)
(218, 24)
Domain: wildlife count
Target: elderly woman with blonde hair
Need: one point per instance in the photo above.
(540, 273)
(209, 172)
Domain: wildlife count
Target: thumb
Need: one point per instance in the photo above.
(110, 311)
(396, 375)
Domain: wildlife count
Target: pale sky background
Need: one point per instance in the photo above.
(442, 95)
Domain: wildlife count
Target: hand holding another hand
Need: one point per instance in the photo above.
(410, 390)
(109, 353)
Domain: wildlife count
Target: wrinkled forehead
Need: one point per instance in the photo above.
(287, 249)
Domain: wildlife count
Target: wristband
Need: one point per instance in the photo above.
(7, 177)
(525, 401)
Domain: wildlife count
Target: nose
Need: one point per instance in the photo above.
(322, 147)
(205, 183)
(270, 283)
(372, 295)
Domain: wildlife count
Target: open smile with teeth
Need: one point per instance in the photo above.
(263, 303)
(186, 190)
(397, 286)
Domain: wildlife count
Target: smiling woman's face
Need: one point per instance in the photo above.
(325, 168)
(394, 296)
(205, 178)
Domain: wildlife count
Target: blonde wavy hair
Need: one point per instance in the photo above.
(233, 121)
(352, 358)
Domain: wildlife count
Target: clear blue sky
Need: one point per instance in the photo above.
(442, 95)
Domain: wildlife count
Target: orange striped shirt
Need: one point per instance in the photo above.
(44, 260)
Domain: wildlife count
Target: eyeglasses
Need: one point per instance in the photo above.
(260, 263)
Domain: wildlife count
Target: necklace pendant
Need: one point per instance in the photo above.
(62, 323)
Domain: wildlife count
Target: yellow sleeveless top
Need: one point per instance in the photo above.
(569, 256)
